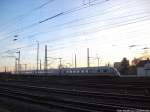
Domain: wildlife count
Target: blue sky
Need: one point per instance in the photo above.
(106, 27)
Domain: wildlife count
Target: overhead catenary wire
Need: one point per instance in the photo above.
(43, 5)
(27, 13)
(94, 38)
(56, 39)
(73, 36)
(75, 43)
(33, 35)
(111, 26)
(52, 17)
(36, 23)
(141, 14)
(28, 27)
(99, 28)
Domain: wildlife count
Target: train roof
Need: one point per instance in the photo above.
(102, 67)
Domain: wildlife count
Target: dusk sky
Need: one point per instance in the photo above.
(109, 28)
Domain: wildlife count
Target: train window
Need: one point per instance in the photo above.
(98, 70)
(86, 71)
(74, 71)
(90, 71)
(78, 71)
(82, 71)
(105, 70)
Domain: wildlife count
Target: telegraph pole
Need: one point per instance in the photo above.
(45, 64)
(37, 57)
(88, 58)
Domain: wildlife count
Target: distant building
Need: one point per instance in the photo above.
(143, 68)
(117, 65)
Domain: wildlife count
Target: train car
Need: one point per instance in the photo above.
(81, 71)
(101, 71)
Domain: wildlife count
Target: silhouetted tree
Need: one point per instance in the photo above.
(135, 61)
(124, 68)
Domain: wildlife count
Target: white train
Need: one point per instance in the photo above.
(102, 71)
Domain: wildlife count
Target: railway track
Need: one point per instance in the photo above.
(121, 88)
(62, 104)
(82, 98)
(75, 94)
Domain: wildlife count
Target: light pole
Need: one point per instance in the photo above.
(18, 60)
(75, 61)
(16, 69)
(40, 65)
(45, 63)
(37, 57)
(88, 58)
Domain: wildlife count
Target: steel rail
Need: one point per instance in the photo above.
(136, 98)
